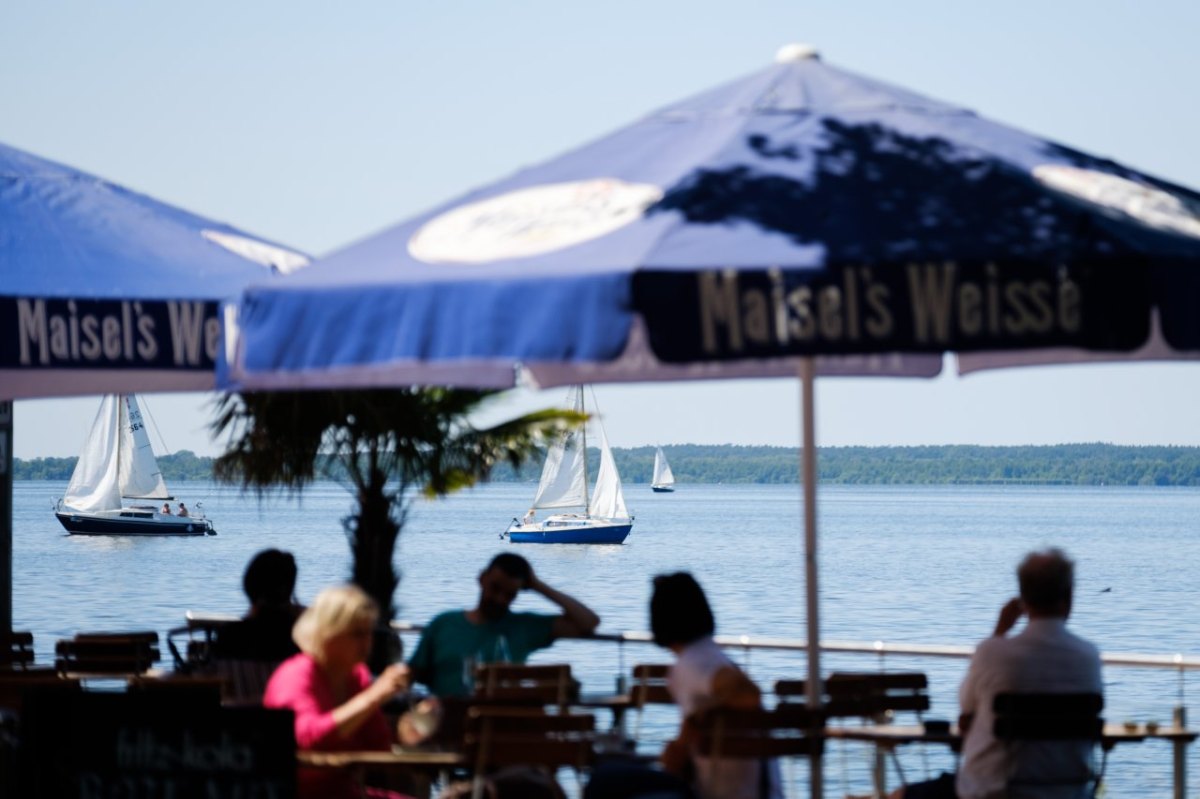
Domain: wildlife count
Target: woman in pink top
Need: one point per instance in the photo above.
(330, 690)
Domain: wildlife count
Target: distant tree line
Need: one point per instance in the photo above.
(1061, 464)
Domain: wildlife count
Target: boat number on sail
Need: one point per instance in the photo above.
(531, 221)
(86, 334)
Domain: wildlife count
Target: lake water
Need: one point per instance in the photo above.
(919, 564)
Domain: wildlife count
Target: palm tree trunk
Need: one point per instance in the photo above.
(373, 532)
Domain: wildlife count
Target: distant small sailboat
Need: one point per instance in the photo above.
(604, 520)
(118, 463)
(663, 480)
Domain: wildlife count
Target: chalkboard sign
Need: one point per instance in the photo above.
(130, 746)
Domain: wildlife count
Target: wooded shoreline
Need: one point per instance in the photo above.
(1060, 464)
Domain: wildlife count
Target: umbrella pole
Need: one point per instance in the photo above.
(808, 459)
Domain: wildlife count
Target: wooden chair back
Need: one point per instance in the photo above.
(649, 687)
(787, 731)
(523, 736)
(244, 680)
(16, 650)
(513, 684)
(1069, 719)
(875, 695)
(112, 654)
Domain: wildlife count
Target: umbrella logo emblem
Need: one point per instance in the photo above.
(1148, 205)
(531, 221)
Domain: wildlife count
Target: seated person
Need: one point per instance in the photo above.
(183, 511)
(456, 640)
(1045, 657)
(328, 687)
(166, 509)
(702, 678)
(265, 632)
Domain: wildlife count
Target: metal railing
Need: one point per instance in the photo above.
(745, 645)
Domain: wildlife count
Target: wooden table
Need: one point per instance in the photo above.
(886, 737)
(411, 758)
(431, 766)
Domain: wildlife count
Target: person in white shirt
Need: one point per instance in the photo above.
(1045, 657)
(704, 677)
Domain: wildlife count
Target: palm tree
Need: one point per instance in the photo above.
(385, 443)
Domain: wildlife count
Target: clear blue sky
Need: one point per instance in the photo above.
(315, 124)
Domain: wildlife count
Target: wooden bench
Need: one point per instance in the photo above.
(107, 654)
(16, 651)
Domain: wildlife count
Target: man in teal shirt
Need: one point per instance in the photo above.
(455, 641)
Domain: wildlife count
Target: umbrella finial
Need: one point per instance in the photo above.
(797, 52)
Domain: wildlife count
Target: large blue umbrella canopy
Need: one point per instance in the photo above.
(803, 210)
(103, 289)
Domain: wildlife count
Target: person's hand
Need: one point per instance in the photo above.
(1013, 609)
(394, 679)
(532, 583)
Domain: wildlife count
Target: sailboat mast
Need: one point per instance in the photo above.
(123, 455)
(587, 500)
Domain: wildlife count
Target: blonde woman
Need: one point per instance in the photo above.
(330, 690)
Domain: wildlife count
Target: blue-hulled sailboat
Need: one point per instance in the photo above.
(602, 517)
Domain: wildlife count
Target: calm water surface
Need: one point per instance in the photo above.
(902, 564)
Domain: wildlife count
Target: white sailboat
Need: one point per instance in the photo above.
(602, 517)
(118, 464)
(663, 480)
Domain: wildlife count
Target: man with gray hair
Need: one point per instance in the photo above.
(1044, 658)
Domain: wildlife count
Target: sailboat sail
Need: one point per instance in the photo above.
(117, 460)
(564, 481)
(94, 484)
(604, 518)
(662, 470)
(140, 477)
(607, 500)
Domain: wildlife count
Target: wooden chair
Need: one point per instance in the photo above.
(649, 687)
(521, 736)
(16, 651)
(107, 654)
(512, 684)
(787, 731)
(1041, 720)
(192, 690)
(874, 697)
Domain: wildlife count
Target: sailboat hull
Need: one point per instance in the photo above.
(662, 489)
(581, 530)
(127, 523)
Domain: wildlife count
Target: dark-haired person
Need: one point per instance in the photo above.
(704, 677)
(455, 640)
(1045, 657)
(265, 632)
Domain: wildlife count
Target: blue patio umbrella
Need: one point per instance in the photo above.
(798, 214)
(106, 290)
(103, 289)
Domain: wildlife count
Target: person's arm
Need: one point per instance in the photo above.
(731, 688)
(421, 663)
(577, 621)
(355, 711)
(294, 687)
(1013, 610)
(968, 692)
